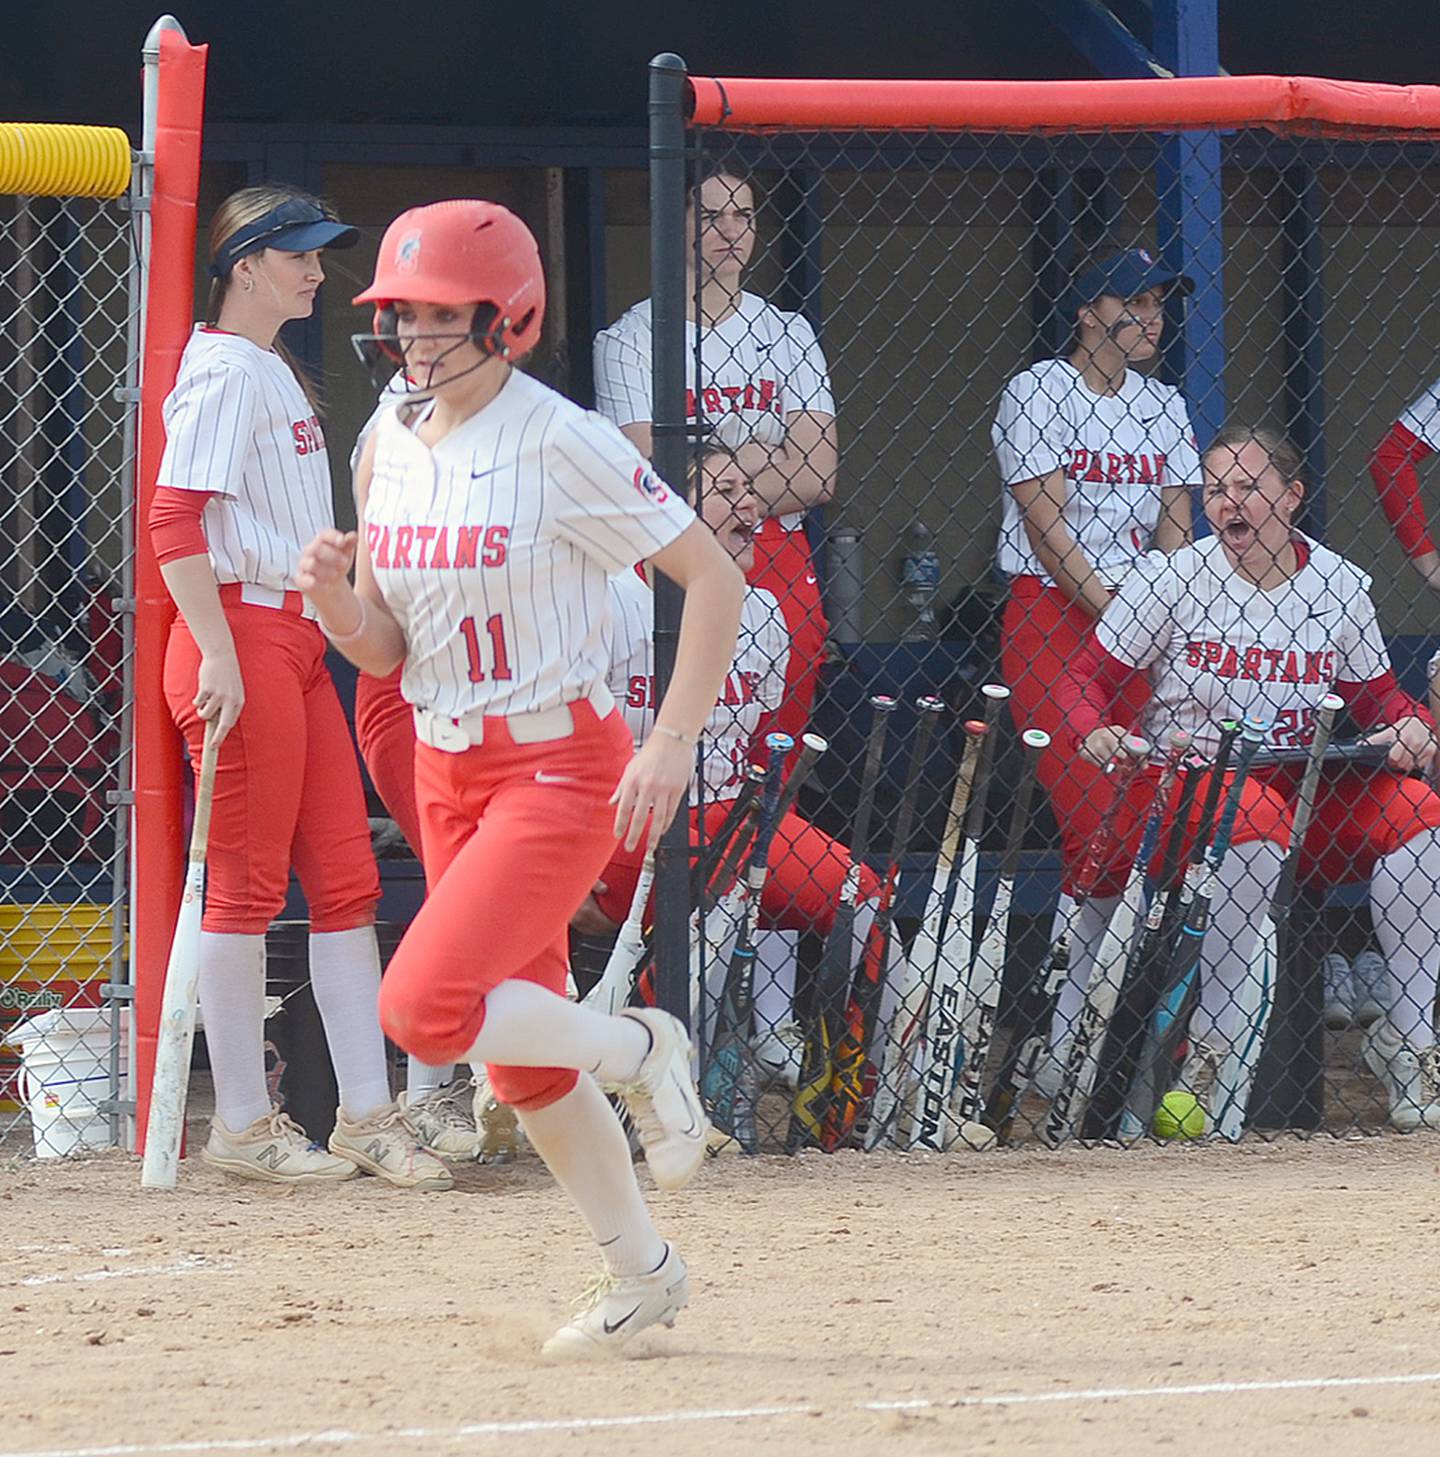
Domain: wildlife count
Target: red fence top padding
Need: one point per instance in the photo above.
(1301, 103)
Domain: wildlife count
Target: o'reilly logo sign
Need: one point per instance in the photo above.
(15, 999)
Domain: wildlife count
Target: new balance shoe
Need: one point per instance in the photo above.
(1373, 994)
(383, 1145)
(1407, 1077)
(497, 1127)
(613, 1310)
(273, 1150)
(663, 1104)
(442, 1121)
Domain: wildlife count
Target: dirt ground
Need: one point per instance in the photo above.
(1015, 1302)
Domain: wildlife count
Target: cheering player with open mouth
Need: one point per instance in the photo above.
(494, 512)
(1258, 620)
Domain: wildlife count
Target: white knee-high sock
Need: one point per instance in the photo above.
(345, 977)
(232, 1004)
(774, 979)
(1087, 923)
(1242, 896)
(423, 1077)
(583, 1145)
(1405, 907)
(526, 1026)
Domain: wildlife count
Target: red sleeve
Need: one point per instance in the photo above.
(1397, 485)
(175, 529)
(1089, 686)
(1381, 701)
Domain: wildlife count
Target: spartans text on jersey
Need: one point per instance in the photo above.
(740, 688)
(432, 546)
(1261, 664)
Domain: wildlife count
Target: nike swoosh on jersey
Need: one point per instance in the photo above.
(541, 777)
(488, 471)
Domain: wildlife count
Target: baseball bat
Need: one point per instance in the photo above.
(612, 991)
(1037, 1006)
(1359, 753)
(953, 995)
(1102, 990)
(823, 1027)
(902, 1058)
(1140, 985)
(990, 958)
(1236, 1074)
(165, 1127)
(1168, 1017)
(847, 1088)
(1182, 979)
(725, 1083)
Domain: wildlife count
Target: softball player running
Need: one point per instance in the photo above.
(807, 866)
(765, 392)
(243, 485)
(1097, 461)
(1259, 620)
(494, 512)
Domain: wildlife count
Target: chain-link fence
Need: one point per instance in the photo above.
(68, 302)
(1000, 361)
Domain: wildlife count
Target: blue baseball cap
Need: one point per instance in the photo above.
(1126, 275)
(296, 225)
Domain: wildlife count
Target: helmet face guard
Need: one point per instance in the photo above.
(465, 251)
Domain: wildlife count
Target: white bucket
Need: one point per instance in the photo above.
(64, 1076)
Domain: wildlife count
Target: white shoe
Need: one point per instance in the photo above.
(613, 1310)
(779, 1053)
(1373, 995)
(663, 1103)
(1408, 1078)
(498, 1131)
(1339, 992)
(1198, 1075)
(441, 1120)
(383, 1145)
(273, 1150)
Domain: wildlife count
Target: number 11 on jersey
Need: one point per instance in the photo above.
(494, 630)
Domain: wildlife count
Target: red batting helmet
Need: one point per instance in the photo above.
(465, 251)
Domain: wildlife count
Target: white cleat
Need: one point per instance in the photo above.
(383, 1145)
(1408, 1078)
(779, 1053)
(1339, 992)
(273, 1150)
(441, 1120)
(663, 1104)
(613, 1310)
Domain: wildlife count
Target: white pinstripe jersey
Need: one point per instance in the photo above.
(1118, 452)
(1215, 646)
(1422, 416)
(754, 685)
(493, 547)
(238, 423)
(760, 365)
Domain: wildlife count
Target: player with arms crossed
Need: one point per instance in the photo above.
(1097, 460)
(764, 391)
(243, 485)
(1260, 621)
(806, 866)
(495, 510)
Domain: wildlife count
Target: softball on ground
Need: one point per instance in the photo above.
(1180, 1115)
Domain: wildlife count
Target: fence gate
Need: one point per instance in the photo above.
(69, 377)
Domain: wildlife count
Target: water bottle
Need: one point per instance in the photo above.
(920, 579)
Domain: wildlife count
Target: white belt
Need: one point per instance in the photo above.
(455, 735)
(254, 595)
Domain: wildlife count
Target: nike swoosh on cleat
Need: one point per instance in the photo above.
(611, 1329)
